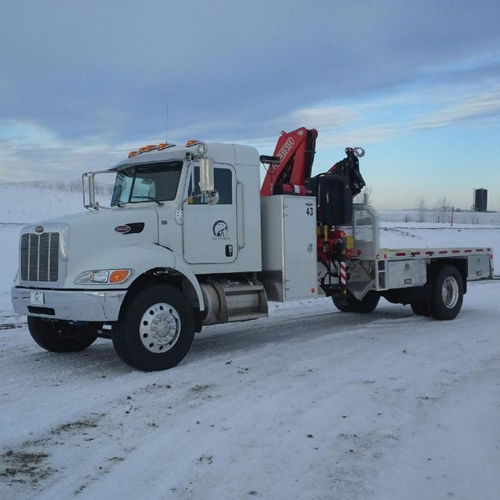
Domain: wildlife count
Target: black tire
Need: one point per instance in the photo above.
(61, 336)
(421, 309)
(156, 330)
(447, 294)
(349, 303)
(341, 304)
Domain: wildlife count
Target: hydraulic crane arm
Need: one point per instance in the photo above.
(296, 153)
(349, 167)
(289, 172)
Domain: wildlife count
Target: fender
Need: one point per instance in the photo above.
(140, 257)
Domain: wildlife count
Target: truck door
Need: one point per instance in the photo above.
(210, 232)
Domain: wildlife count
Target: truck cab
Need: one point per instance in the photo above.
(229, 228)
(76, 272)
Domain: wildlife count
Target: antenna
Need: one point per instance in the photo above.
(166, 131)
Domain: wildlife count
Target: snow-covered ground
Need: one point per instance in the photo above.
(308, 403)
(459, 217)
(21, 203)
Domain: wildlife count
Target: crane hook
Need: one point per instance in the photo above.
(359, 152)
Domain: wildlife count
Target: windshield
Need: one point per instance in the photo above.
(151, 182)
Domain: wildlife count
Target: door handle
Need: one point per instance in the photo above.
(240, 214)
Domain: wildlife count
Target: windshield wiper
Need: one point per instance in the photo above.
(150, 198)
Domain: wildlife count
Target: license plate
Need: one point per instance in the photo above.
(38, 298)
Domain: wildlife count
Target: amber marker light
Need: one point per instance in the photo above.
(119, 276)
(191, 143)
(164, 145)
(133, 153)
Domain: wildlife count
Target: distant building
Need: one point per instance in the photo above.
(480, 200)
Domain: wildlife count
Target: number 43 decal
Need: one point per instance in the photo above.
(310, 211)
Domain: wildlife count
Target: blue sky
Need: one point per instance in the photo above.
(417, 83)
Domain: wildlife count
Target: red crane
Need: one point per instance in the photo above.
(293, 161)
(295, 151)
(289, 172)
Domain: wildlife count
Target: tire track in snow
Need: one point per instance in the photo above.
(263, 404)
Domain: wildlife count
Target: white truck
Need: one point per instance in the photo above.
(191, 239)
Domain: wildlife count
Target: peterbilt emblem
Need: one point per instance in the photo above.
(39, 229)
(124, 229)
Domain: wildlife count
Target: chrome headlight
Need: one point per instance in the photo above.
(103, 276)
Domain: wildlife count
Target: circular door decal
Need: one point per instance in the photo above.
(220, 229)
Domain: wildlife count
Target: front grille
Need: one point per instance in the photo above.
(40, 257)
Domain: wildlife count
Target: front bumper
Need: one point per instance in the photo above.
(98, 306)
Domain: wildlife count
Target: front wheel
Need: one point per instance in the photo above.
(61, 336)
(447, 294)
(156, 330)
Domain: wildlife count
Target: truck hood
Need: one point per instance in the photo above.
(106, 217)
(95, 239)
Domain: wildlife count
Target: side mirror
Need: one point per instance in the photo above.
(207, 183)
(206, 175)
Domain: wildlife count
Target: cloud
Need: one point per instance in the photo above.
(473, 108)
(382, 119)
(360, 136)
(98, 73)
(322, 117)
(73, 66)
(28, 150)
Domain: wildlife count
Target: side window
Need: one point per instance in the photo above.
(223, 180)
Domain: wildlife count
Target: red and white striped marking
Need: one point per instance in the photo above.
(343, 274)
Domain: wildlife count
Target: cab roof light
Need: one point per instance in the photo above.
(146, 149)
(164, 145)
(191, 143)
(152, 147)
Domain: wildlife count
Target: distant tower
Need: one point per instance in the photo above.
(480, 200)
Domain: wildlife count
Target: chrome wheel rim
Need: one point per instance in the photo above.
(450, 292)
(160, 328)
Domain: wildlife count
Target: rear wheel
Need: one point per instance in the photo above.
(447, 294)
(349, 303)
(156, 330)
(61, 336)
(421, 309)
(341, 304)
